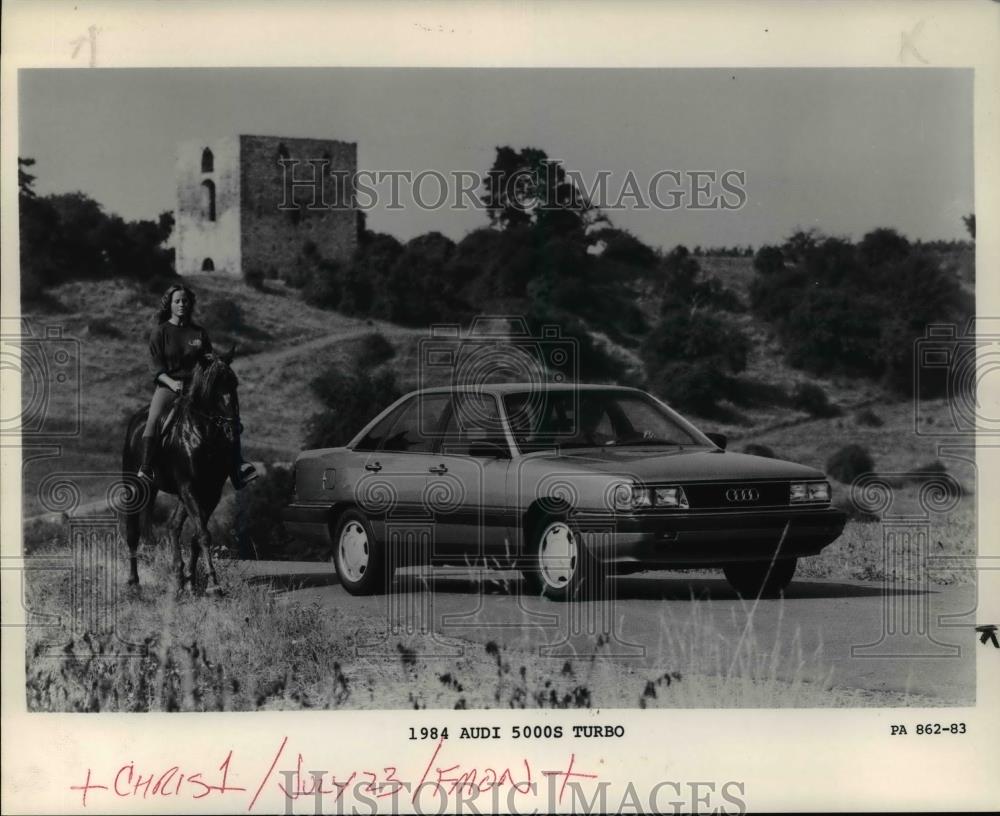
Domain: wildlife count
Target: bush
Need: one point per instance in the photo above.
(221, 315)
(868, 418)
(690, 358)
(856, 308)
(254, 276)
(321, 287)
(696, 387)
(258, 531)
(350, 400)
(850, 462)
(755, 449)
(812, 399)
(374, 350)
(768, 260)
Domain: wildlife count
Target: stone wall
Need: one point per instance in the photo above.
(272, 239)
(198, 239)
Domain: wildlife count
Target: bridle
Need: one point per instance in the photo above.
(226, 424)
(218, 420)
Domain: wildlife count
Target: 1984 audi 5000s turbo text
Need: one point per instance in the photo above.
(567, 483)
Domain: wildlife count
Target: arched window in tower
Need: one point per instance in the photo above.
(208, 200)
(208, 265)
(207, 161)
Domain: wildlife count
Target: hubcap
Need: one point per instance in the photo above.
(354, 551)
(557, 554)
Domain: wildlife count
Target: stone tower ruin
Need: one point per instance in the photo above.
(233, 196)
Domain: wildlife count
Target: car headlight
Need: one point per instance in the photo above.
(670, 497)
(802, 492)
(630, 497)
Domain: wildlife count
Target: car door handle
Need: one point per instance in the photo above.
(375, 467)
(439, 469)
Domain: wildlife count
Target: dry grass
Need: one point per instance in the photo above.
(256, 649)
(187, 653)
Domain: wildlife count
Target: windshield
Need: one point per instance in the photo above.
(585, 419)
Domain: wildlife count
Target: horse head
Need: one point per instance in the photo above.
(213, 392)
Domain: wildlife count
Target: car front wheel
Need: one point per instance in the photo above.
(761, 578)
(358, 556)
(559, 565)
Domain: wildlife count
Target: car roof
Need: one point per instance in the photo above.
(518, 387)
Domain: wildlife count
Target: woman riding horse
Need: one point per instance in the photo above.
(176, 345)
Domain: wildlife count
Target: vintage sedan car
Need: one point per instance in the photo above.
(567, 483)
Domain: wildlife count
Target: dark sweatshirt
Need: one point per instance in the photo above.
(175, 349)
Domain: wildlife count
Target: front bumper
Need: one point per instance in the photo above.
(688, 539)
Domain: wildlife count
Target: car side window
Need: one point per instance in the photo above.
(474, 426)
(376, 436)
(417, 426)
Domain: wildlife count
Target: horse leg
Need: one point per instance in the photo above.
(137, 522)
(204, 540)
(132, 533)
(176, 526)
(201, 543)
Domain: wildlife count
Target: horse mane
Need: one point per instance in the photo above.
(207, 377)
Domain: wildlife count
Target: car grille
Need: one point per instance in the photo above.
(737, 495)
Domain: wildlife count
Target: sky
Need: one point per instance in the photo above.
(841, 150)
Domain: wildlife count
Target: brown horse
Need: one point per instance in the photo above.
(194, 459)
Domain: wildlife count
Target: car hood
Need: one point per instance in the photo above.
(684, 465)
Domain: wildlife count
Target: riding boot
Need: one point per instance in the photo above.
(243, 472)
(148, 454)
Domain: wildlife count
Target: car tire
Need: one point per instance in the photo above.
(558, 565)
(760, 578)
(359, 557)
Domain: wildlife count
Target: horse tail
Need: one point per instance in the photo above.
(135, 516)
(130, 456)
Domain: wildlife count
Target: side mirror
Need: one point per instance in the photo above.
(718, 439)
(488, 450)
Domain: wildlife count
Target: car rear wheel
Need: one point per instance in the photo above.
(559, 565)
(358, 556)
(761, 578)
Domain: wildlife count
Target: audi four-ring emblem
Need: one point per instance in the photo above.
(742, 494)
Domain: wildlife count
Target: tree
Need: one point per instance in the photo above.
(25, 181)
(882, 246)
(69, 237)
(349, 398)
(800, 243)
(419, 289)
(630, 254)
(691, 356)
(684, 286)
(970, 224)
(768, 260)
(526, 187)
(856, 308)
